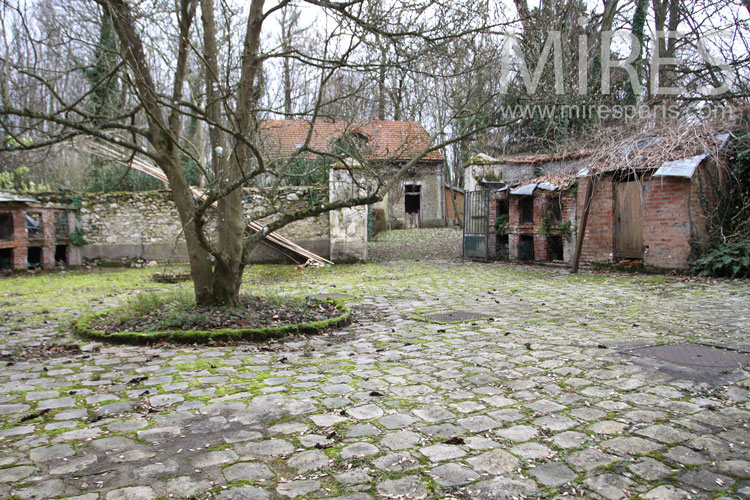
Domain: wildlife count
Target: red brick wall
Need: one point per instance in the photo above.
(669, 204)
(599, 241)
(666, 221)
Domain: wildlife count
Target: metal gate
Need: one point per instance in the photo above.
(476, 225)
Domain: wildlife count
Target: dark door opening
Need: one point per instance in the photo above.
(6, 258)
(412, 201)
(526, 247)
(412, 204)
(555, 248)
(34, 257)
(526, 210)
(6, 226)
(61, 255)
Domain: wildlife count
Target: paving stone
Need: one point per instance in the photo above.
(502, 488)
(396, 421)
(518, 433)
(545, 406)
(478, 424)
(49, 488)
(442, 430)
(555, 422)
(589, 459)
(337, 389)
(494, 462)
(297, 488)
(243, 493)
(307, 461)
(186, 486)
(327, 420)
(250, 471)
(53, 404)
(667, 492)
(631, 445)
(75, 465)
(13, 474)
(365, 412)
(407, 487)
(531, 451)
(400, 440)
(353, 476)
(360, 430)
(47, 453)
(165, 399)
(608, 427)
(360, 449)
(665, 434)
(650, 469)
(553, 474)
(434, 414)
(13, 408)
(739, 468)
(267, 448)
(159, 433)
(453, 475)
(440, 452)
(396, 462)
(609, 486)
(683, 455)
(214, 458)
(569, 439)
(481, 443)
(706, 480)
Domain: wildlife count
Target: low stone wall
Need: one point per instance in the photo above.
(127, 226)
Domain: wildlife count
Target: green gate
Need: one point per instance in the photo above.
(476, 225)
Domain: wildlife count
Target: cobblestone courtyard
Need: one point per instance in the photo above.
(543, 397)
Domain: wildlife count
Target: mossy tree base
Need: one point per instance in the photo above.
(83, 328)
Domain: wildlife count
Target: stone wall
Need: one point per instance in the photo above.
(145, 225)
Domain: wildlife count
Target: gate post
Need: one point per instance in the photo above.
(348, 226)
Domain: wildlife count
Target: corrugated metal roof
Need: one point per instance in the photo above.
(680, 168)
(584, 172)
(525, 190)
(546, 186)
(10, 198)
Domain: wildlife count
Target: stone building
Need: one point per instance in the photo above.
(418, 199)
(35, 234)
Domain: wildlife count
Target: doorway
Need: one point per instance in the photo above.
(629, 220)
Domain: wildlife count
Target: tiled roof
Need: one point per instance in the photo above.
(391, 140)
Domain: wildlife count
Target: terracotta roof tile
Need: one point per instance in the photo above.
(393, 140)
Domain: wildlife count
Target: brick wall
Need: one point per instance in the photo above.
(666, 221)
(599, 242)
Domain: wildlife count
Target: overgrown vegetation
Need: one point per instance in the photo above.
(724, 249)
(501, 221)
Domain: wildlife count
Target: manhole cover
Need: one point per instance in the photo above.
(326, 296)
(451, 316)
(695, 355)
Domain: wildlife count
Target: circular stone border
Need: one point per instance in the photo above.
(82, 327)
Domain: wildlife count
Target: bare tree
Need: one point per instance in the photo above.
(164, 46)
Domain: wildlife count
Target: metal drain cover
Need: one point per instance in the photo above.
(695, 355)
(451, 316)
(326, 296)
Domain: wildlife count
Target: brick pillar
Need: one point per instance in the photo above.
(20, 236)
(492, 233)
(513, 239)
(48, 247)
